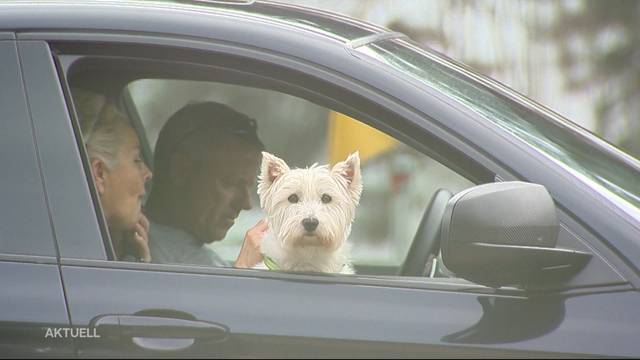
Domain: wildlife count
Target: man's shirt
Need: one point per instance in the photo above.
(171, 245)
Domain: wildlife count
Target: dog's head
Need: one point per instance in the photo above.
(313, 206)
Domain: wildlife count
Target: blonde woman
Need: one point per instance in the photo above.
(118, 171)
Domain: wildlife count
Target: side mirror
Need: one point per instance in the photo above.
(505, 233)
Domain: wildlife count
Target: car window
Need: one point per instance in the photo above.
(24, 221)
(398, 181)
(610, 175)
(201, 200)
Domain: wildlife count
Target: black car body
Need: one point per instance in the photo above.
(57, 269)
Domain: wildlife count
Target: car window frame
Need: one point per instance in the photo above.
(435, 152)
(66, 62)
(405, 113)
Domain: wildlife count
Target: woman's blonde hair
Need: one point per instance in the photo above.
(101, 124)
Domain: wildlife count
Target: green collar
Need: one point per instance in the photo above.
(270, 263)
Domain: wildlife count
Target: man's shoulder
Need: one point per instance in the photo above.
(164, 236)
(171, 245)
(176, 246)
(164, 232)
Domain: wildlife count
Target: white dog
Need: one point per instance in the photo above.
(309, 212)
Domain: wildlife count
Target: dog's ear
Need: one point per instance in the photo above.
(272, 167)
(349, 172)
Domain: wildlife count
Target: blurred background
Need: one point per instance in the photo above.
(581, 58)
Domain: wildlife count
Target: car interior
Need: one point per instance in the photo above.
(400, 172)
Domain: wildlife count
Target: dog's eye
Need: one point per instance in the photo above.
(293, 198)
(326, 198)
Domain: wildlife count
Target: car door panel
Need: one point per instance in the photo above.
(33, 307)
(290, 317)
(258, 311)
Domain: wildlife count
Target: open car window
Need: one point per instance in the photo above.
(398, 180)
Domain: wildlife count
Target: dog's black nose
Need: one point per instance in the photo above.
(310, 224)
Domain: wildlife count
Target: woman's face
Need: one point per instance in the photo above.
(123, 185)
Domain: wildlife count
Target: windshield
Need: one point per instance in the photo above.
(575, 152)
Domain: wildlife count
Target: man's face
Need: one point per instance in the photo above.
(220, 189)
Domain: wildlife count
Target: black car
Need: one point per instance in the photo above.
(489, 225)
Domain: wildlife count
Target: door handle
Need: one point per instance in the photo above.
(158, 327)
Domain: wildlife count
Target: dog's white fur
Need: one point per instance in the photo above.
(287, 242)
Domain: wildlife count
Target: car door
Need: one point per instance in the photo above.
(182, 310)
(33, 309)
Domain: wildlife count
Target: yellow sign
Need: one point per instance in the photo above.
(347, 135)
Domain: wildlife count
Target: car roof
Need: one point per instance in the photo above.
(168, 17)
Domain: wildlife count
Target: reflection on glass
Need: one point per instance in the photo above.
(607, 173)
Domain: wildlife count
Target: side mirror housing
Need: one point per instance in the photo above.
(505, 233)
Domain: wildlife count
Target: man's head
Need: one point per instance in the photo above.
(206, 160)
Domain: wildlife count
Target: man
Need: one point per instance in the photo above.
(205, 164)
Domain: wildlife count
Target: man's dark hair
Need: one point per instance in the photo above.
(198, 127)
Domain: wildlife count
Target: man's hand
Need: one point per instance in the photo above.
(140, 240)
(250, 254)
